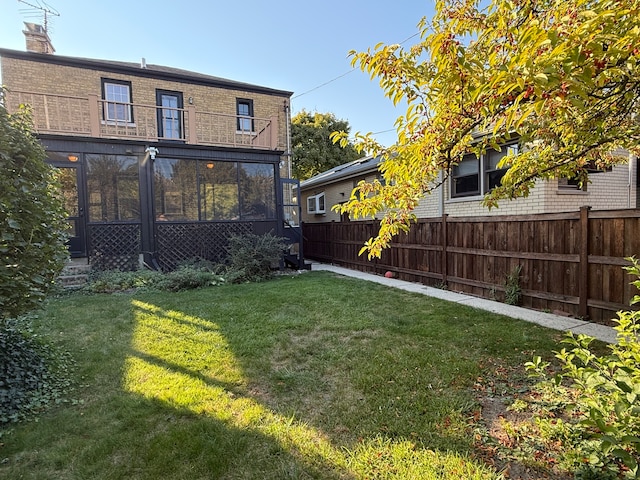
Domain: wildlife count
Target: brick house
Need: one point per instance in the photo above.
(159, 165)
(461, 195)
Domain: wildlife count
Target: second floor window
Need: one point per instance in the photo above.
(244, 111)
(117, 101)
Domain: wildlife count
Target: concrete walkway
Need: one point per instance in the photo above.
(557, 322)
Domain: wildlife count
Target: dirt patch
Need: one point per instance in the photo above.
(499, 429)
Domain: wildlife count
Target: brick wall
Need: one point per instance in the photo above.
(607, 190)
(75, 81)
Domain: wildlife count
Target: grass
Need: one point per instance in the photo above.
(309, 376)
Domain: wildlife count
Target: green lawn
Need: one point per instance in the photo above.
(308, 376)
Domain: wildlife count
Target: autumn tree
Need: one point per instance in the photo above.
(561, 76)
(313, 150)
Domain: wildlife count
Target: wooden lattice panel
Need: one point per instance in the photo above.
(114, 246)
(179, 242)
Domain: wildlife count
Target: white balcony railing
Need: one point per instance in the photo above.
(93, 117)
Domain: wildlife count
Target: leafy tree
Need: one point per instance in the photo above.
(313, 150)
(32, 218)
(560, 75)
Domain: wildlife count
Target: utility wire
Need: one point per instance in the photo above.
(345, 74)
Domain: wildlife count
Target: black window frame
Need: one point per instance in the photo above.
(242, 117)
(160, 119)
(129, 107)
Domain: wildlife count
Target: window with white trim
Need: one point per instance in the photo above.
(315, 204)
(478, 175)
(117, 100)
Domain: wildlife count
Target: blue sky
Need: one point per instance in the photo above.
(284, 44)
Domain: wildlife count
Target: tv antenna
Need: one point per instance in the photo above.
(39, 9)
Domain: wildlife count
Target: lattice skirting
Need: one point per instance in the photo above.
(114, 246)
(179, 242)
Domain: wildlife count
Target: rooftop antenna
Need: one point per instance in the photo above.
(40, 9)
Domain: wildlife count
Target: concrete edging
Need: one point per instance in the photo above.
(548, 320)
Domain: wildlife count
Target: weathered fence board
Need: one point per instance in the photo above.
(570, 263)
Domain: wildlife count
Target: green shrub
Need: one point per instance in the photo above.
(253, 257)
(32, 374)
(599, 396)
(109, 281)
(189, 276)
(32, 218)
(185, 277)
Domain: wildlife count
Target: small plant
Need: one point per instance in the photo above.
(253, 257)
(600, 399)
(512, 289)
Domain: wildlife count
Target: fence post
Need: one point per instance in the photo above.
(583, 286)
(443, 258)
(332, 242)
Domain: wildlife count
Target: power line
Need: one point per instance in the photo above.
(345, 74)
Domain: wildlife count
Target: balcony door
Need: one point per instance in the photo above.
(170, 115)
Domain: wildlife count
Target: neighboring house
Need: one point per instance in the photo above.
(461, 195)
(321, 192)
(158, 164)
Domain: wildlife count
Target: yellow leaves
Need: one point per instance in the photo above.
(556, 72)
(541, 78)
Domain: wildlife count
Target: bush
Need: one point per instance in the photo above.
(253, 257)
(185, 277)
(109, 281)
(188, 277)
(32, 218)
(599, 397)
(32, 374)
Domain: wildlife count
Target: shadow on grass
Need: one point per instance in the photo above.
(287, 379)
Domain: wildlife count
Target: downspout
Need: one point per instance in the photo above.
(632, 167)
(287, 114)
(441, 193)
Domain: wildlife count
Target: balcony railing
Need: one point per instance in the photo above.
(93, 117)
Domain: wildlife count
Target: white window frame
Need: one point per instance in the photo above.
(117, 104)
(316, 204)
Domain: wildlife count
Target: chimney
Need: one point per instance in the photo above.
(38, 40)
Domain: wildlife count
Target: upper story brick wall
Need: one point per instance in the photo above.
(54, 78)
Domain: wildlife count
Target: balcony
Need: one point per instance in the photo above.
(93, 117)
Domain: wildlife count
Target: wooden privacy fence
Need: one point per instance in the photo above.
(571, 263)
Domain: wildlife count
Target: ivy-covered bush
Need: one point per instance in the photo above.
(590, 409)
(32, 218)
(252, 257)
(32, 375)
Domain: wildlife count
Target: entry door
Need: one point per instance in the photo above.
(72, 192)
(170, 115)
